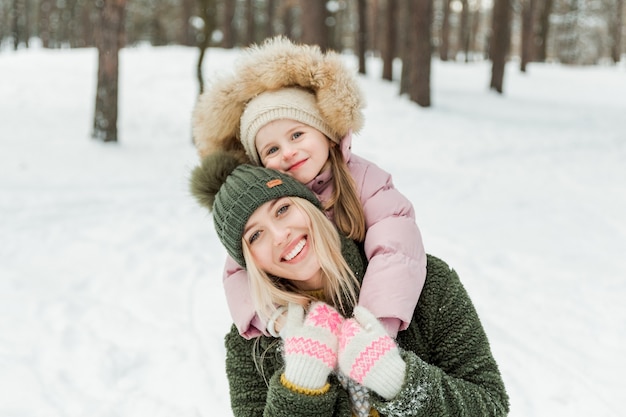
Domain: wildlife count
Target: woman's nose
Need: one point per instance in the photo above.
(281, 235)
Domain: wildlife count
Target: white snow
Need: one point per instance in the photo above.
(111, 301)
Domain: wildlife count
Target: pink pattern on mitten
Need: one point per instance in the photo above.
(311, 344)
(311, 348)
(349, 329)
(322, 315)
(369, 356)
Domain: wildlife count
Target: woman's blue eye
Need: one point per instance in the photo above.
(254, 236)
(282, 209)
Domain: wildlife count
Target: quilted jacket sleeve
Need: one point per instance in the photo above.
(393, 245)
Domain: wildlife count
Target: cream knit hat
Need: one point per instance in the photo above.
(287, 103)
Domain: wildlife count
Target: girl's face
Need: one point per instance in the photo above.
(294, 148)
(278, 236)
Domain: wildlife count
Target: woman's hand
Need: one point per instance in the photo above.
(369, 356)
(311, 344)
(278, 319)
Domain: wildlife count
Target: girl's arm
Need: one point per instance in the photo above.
(457, 375)
(393, 245)
(256, 394)
(239, 299)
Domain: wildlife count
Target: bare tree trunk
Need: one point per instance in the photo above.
(288, 17)
(45, 7)
(361, 34)
(420, 12)
(407, 46)
(543, 31)
(157, 34)
(616, 31)
(74, 35)
(528, 38)
(207, 13)
(109, 40)
(568, 45)
(444, 42)
(187, 32)
(313, 23)
(390, 39)
(271, 15)
(20, 25)
(250, 22)
(476, 18)
(464, 32)
(88, 17)
(16, 23)
(500, 40)
(26, 32)
(228, 29)
(332, 34)
(372, 11)
(423, 18)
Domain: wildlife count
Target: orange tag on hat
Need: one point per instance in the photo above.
(274, 183)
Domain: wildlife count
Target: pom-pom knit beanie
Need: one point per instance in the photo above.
(233, 191)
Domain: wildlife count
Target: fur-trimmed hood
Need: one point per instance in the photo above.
(275, 64)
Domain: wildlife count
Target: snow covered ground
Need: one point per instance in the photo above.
(110, 275)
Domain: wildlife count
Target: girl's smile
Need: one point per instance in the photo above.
(297, 165)
(294, 148)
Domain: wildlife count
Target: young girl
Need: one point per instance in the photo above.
(325, 364)
(292, 108)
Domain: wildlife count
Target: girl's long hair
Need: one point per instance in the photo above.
(339, 282)
(344, 201)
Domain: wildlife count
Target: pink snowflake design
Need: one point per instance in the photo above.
(322, 315)
(349, 329)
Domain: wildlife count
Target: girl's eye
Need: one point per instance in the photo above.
(296, 135)
(271, 150)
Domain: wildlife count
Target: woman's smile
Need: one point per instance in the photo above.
(296, 250)
(280, 241)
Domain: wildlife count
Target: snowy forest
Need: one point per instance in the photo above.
(572, 32)
(568, 31)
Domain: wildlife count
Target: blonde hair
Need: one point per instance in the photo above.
(339, 282)
(345, 202)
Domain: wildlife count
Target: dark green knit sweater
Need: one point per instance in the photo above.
(450, 368)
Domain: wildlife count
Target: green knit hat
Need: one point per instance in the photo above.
(233, 191)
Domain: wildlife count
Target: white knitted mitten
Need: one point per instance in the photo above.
(368, 355)
(311, 344)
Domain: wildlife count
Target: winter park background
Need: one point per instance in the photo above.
(111, 301)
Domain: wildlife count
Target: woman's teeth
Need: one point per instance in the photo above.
(296, 250)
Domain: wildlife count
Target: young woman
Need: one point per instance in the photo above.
(332, 358)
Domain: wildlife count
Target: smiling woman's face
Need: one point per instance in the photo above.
(278, 235)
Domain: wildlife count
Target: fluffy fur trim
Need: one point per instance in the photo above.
(275, 64)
